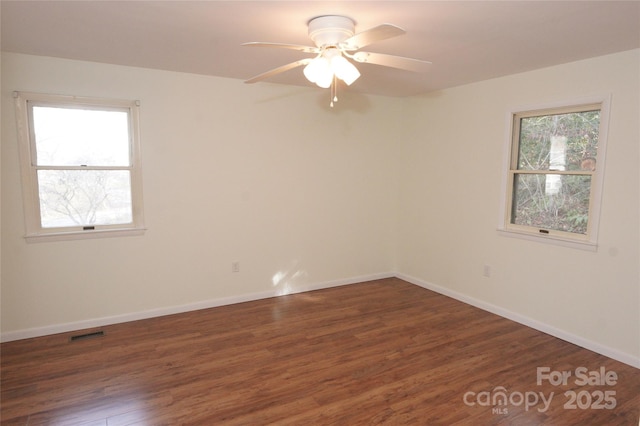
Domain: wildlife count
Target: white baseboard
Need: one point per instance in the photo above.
(170, 310)
(529, 322)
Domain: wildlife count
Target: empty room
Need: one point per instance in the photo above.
(320, 213)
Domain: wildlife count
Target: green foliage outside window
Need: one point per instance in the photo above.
(557, 155)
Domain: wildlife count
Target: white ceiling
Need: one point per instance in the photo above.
(467, 41)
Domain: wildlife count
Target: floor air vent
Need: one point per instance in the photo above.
(87, 336)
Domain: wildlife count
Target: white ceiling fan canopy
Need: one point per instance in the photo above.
(330, 30)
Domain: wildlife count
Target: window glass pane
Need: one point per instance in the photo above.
(552, 202)
(74, 137)
(559, 141)
(84, 197)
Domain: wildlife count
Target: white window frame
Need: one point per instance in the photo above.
(34, 230)
(567, 239)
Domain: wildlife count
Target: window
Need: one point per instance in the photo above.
(80, 166)
(554, 177)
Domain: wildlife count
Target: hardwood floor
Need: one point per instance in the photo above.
(380, 352)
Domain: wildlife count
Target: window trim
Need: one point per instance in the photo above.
(34, 230)
(505, 227)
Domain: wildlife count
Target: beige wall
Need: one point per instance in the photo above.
(450, 205)
(269, 176)
(265, 175)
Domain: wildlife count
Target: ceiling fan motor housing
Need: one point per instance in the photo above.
(330, 30)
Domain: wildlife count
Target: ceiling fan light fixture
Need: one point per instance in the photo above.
(325, 81)
(344, 69)
(319, 71)
(322, 69)
(337, 46)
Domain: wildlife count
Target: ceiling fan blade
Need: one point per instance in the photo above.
(372, 35)
(301, 48)
(399, 62)
(278, 70)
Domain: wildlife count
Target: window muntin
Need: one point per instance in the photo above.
(81, 172)
(553, 183)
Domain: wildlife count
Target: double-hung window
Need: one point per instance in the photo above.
(555, 170)
(80, 166)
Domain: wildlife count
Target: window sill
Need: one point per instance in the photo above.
(84, 235)
(581, 245)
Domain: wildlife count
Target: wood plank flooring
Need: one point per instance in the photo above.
(379, 352)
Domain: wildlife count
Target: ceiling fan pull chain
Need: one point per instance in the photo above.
(333, 86)
(334, 91)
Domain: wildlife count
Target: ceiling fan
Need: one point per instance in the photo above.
(335, 40)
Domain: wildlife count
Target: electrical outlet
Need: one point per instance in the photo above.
(235, 267)
(487, 271)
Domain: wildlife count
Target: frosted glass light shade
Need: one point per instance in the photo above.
(316, 69)
(344, 69)
(322, 69)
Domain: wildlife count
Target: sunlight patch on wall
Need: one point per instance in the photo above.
(287, 280)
